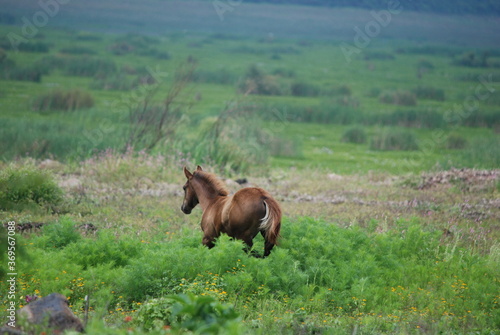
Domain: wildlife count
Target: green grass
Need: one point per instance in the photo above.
(321, 277)
(362, 249)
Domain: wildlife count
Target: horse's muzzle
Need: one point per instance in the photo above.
(186, 210)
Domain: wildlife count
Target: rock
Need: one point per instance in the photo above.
(53, 310)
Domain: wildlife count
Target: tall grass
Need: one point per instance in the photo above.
(25, 186)
(58, 139)
(354, 135)
(419, 118)
(87, 66)
(484, 153)
(401, 98)
(60, 100)
(391, 139)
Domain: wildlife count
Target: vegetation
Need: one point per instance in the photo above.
(385, 164)
(63, 101)
(25, 186)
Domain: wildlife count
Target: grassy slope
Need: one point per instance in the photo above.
(384, 265)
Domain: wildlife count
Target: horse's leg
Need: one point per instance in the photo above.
(208, 241)
(248, 245)
(268, 246)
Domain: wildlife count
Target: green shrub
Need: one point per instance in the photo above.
(77, 50)
(482, 153)
(86, 66)
(56, 138)
(401, 98)
(429, 93)
(425, 65)
(63, 100)
(10, 71)
(471, 59)
(378, 55)
(117, 82)
(412, 118)
(222, 76)
(354, 135)
(456, 141)
(390, 139)
(258, 82)
(24, 73)
(105, 249)
(482, 118)
(154, 53)
(33, 47)
(188, 312)
(155, 313)
(302, 89)
(27, 185)
(203, 315)
(59, 234)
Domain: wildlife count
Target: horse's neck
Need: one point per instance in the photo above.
(206, 195)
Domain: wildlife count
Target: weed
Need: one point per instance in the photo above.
(354, 135)
(456, 141)
(59, 234)
(22, 186)
(388, 139)
(401, 98)
(60, 100)
(429, 93)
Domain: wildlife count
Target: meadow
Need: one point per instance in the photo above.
(386, 166)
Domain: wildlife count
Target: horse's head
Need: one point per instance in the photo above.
(190, 197)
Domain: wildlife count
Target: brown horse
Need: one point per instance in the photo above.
(242, 215)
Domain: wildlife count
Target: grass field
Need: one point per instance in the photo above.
(386, 164)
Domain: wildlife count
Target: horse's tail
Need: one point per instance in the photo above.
(271, 222)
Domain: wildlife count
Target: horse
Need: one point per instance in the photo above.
(241, 215)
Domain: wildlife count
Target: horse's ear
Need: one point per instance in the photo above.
(188, 174)
(198, 168)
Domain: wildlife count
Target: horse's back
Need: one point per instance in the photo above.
(244, 212)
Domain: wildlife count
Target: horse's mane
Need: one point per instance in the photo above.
(211, 181)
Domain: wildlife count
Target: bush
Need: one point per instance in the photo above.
(29, 46)
(77, 50)
(429, 93)
(27, 185)
(412, 118)
(222, 76)
(471, 59)
(482, 118)
(25, 74)
(257, 82)
(425, 65)
(188, 312)
(455, 141)
(86, 66)
(106, 249)
(10, 71)
(59, 234)
(482, 153)
(401, 98)
(118, 82)
(390, 139)
(378, 55)
(63, 100)
(354, 135)
(301, 89)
